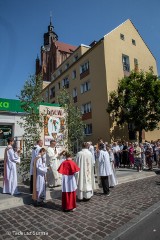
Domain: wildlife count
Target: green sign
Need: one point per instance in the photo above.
(10, 105)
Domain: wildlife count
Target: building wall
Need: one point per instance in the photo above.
(153, 135)
(105, 69)
(114, 48)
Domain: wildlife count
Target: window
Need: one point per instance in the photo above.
(84, 67)
(5, 133)
(88, 129)
(74, 74)
(86, 108)
(133, 42)
(67, 65)
(75, 58)
(59, 85)
(60, 71)
(65, 82)
(122, 36)
(135, 64)
(85, 87)
(74, 92)
(75, 95)
(125, 62)
(52, 92)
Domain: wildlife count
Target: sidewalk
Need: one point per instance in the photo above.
(7, 201)
(102, 217)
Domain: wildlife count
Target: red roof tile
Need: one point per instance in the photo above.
(64, 47)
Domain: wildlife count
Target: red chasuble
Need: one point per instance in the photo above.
(68, 168)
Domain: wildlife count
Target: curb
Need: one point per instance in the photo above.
(23, 199)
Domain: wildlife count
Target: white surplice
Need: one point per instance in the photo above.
(41, 170)
(35, 153)
(10, 180)
(85, 177)
(69, 183)
(104, 164)
(91, 149)
(112, 178)
(53, 177)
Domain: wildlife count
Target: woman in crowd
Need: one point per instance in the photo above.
(131, 155)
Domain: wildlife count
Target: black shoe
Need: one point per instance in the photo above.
(86, 199)
(107, 193)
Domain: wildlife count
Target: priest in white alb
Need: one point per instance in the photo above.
(85, 177)
(105, 169)
(52, 154)
(11, 158)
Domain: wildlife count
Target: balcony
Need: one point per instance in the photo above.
(84, 74)
(87, 115)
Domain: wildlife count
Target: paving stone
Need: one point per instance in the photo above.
(72, 238)
(87, 233)
(96, 237)
(79, 235)
(95, 219)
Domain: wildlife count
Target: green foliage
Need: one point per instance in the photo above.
(137, 101)
(32, 123)
(73, 120)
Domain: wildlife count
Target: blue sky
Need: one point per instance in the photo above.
(23, 23)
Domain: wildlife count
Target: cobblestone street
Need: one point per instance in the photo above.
(95, 219)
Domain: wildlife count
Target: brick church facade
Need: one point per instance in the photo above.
(53, 54)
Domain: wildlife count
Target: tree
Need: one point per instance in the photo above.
(32, 123)
(74, 121)
(137, 101)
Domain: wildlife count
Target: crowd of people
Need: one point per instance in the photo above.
(77, 175)
(134, 155)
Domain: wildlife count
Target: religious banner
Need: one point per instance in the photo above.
(54, 125)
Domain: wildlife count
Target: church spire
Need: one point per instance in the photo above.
(50, 27)
(50, 18)
(50, 35)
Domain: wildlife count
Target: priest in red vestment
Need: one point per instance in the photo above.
(68, 168)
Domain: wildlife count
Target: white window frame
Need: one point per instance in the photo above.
(85, 87)
(65, 81)
(84, 67)
(86, 108)
(126, 63)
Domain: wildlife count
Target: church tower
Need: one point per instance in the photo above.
(53, 53)
(50, 35)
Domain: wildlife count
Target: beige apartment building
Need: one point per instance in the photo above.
(90, 73)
